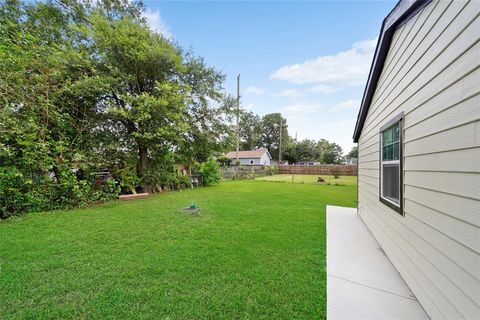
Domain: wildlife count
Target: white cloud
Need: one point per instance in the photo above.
(254, 91)
(347, 105)
(321, 88)
(290, 93)
(155, 22)
(346, 68)
(301, 108)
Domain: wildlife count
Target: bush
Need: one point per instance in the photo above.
(14, 196)
(19, 194)
(335, 172)
(271, 170)
(128, 179)
(184, 182)
(210, 172)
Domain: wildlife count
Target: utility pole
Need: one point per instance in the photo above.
(238, 116)
(280, 144)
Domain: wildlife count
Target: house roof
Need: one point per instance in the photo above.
(403, 11)
(248, 154)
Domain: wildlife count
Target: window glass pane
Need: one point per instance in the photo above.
(388, 153)
(396, 151)
(387, 136)
(396, 132)
(391, 182)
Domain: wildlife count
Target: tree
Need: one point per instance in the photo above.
(271, 124)
(290, 152)
(321, 147)
(87, 85)
(332, 154)
(250, 131)
(145, 95)
(207, 114)
(306, 150)
(353, 153)
(303, 150)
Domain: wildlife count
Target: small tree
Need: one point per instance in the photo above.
(210, 172)
(335, 173)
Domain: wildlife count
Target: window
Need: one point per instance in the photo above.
(391, 164)
(251, 161)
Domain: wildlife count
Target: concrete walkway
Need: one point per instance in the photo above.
(361, 281)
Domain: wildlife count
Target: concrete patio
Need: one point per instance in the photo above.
(361, 281)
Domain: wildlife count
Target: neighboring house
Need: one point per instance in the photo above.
(251, 158)
(351, 161)
(418, 134)
(307, 163)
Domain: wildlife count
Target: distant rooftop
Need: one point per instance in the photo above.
(247, 154)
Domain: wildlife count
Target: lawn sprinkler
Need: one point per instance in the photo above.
(193, 209)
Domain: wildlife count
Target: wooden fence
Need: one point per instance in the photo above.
(251, 172)
(246, 172)
(342, 170)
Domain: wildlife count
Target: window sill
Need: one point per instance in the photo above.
(397, 208)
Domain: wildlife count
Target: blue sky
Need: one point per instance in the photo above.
(307, 60)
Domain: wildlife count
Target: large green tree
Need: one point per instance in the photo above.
(250, 131)
(86, 85)
(271, 125)
(146, 97)
(332, 154)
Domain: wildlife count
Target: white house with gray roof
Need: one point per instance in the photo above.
(259, 157)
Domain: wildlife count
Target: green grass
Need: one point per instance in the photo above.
(257, 251)
(311, 179)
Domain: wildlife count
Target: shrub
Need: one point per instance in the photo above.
(210, 172)
(271, 170)
(184, 182)
(19, 194)
(129, 179)
(224, 161)
(335, 172)
(13, 192)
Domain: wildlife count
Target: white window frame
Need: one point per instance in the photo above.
(398, 207)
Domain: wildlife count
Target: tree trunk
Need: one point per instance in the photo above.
(142, 167)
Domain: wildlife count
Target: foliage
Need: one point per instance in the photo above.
(210, 172)
(271, 124)
(309, 150)
(251, 131)
(88, 86)
(224, 161)
(335, 172)
(353, 153)
(21, 194)
(15, 192)
(332, 154)
(271, 170)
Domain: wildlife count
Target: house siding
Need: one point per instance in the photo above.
(264, 160)
(432, 74)
(246, 161)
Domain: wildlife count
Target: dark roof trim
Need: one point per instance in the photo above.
(403, 11)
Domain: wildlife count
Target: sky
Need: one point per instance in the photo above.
(307, 60)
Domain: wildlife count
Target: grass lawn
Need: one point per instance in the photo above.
(311, 178)
(257, 251)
